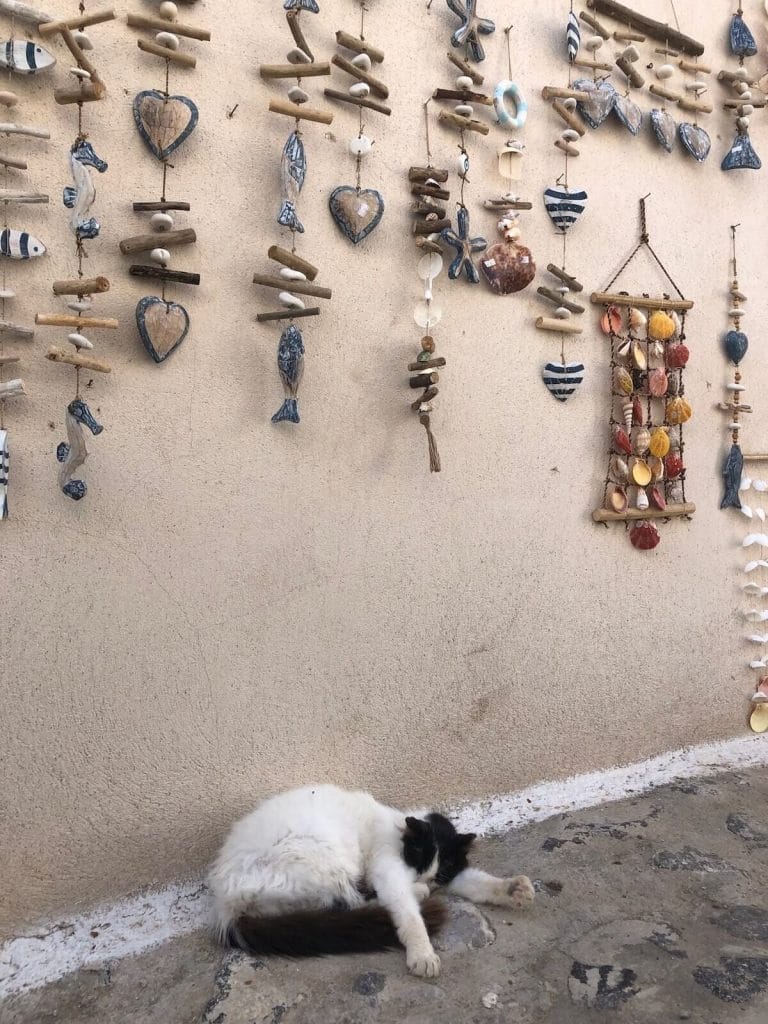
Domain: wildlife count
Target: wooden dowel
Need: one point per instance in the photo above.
(290, 259)
(11, 389)
(6, 161)
(81, 286)
(79, 55)
(82, 21)
(431, 191)
(299, 111)
(8, 195)
(168, 239)
(655, 29)
(292, 17)
(428, 364)
(693, 65)
(4, 360)
(422, 174)
(570, 117)
(427, 245)
(566, 147)
(163, 274)
(757, 457)
(553, 92)
(424, 380)
(422, 207)
(429, 227)
(288, 314)
(318, 70)
(756, 101)
(629, 69)
(546, 323)
(592, 65)
(87, 93)
(641, 301)
(505, 204)
(428, 395)
(731, 78)
(594, 24)
(465, 68)
(23, 12)
(160, 25)
(459, 121)
(560, 300)
(667, 94)
(622, 35)
(17, 330)
(174, 56)
(665, 51)
(24, 129)
(463, 97)
(59, 355)
(65, 320)
(699, 106)
(297, 287)
(560, 274)
(378, 88)
(357, 101)
(165, 205)
(350, 42)
(604, 515)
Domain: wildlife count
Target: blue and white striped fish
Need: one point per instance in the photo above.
(564, 206)
(20, 245)
(4, 460)
(562, 379)
(25, 58)
(572, 36)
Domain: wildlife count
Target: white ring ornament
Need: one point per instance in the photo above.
(502, 91)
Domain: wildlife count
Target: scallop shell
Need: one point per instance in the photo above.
(657, 498)
(678, 411)
(658, 383)
(627, 409)
(642, 441)
(660, 444)
(641, 501)
(619, 469)
(674, 317)
(673, 464)
(656, 466)
(638, 356)
(641, 473)
(637, 411)
(623, 381)
(618, 500)
(637, 321)
(677, 356)
(661, 326)
(644, 536)
(611, 320)
(621, 440)
(624, 348)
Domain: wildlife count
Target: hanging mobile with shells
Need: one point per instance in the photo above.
(18, 57)
(741, 155)
(357, 211)
(645, 480)
(164, 122)
(79, 198)
(295, 279)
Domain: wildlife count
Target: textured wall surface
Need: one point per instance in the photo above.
(238, 607)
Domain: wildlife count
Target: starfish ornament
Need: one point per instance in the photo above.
(465, 247)
(301, 5)
(472, 27)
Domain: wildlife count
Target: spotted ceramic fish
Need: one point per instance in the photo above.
(20, 245)
(290, 365)
(293, 171)
(72, 453)
(732, 469)
(25, 58)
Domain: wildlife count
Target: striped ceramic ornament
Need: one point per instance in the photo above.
(562, 379)
(565, 206)
(25, 58)
(572, 36)
(20, 245)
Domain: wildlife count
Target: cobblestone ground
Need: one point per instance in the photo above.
(649, 911)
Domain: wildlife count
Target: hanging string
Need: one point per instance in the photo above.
(644, 242)
(733, 249)
(426, 131)
(509, 49)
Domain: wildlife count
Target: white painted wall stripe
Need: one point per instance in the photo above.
(135, 925)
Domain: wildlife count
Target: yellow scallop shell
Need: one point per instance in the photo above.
(641, 474)
(659, 445)
(661, 327)
(678, 411)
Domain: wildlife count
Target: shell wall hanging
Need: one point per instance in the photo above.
(18, 57)
(746, 95)
(357, 211)
(645, 478)
(163, 121)
(78, 199)
(295, 280)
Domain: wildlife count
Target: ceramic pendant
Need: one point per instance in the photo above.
(572, 37)
(164, 122)
(732, 470)
(80, 197)
(72, 453)
(563, 379)
(290, 365)
(741, 155)
(20, 245)
(24, 58)
(736, 344)
(602, 97)
(628, 112)
(509, 90)
(465, 248)
(293, 171)
(741, 39)
(695, 140)
(565, 206)
(664, 128)
(472, 27)
(356, 211)
(162, 326)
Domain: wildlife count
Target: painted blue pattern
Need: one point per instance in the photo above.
(572, 37)
(20, 245)
(565, 206)
(472, 27)
(367, 198)
(510, 89)
(741, 155)
(562, 379)
(695, 140)
(141, 313)
(664, 128)
(80, 197)
(465, 247)
(293, 173)
(73, 453)
(302, 5)
(25, 58)
(736, 344)
(164, 152)
(732, 469)
(290, 365)
(741, 39)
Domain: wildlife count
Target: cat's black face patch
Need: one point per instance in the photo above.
(419, 846)
(452, 848)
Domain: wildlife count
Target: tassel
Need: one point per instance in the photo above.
(434, 455)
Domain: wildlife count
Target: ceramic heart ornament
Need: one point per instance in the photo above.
(736, 344)
(162, 326)
(562, 379)
(164, 122)
(628, 112)
(602, 97)
(664, 128)
(356, 211)
(695, 140)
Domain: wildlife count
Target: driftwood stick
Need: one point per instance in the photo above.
(11, 389)
(59, 355)
(421, 206)
(699, 106)
(350, 42)
(757, 457)
(163, 274)
(655, 29)
(8, 195)
(174, 56)
(299, 111)
(429, 227)
(81, 286)
(667, 94)
(165, 205)
(297, 287)
(143, 243)
(79, 55)
(17, 330)
(160, 25)
(288, 314)
(466, 123)
(465, 68)
(592, 65)
(425, 173)
(87, 93)
(429, 364)
(545, 323)
(604, 515)
(290, 259)
(629, 69)
(4, 360)
(560, 274)
(623, 35)
(465, 97)
(594, 24)
(424, 380)
(318, 70)
(730, 77)
(292, 17)
(24, 129)
(570, 117)
(65, 320)
(428, 395)
(6, 161)
(552, 92)
(431, 191)
(560, 300)
(82, 21)
(694, 66)
(641, 301)
(357, 101)
(507, 204)
(756, 101)
(378, 88)
(23, 12)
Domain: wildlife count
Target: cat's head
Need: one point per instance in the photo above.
(434, 849)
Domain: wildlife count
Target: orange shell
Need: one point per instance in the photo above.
(678, 411)
(610, 321)
(660, 326)
(658, 383)
(618, 500)
(659, 445)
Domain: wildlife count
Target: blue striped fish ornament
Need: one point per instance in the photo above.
(25, 58)
(20, 245)
(562, 379)
(564, 206)
(572, 37)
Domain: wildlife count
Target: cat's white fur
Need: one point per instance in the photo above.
(310, 848)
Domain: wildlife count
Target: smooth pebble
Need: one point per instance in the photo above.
(79, 340)
(167, 39)
(80, 305)
(362, 61)
(80, 72)
(83, 40)
(161, 256)
(665, 71)
(562, 313)
(631, 53)
(297, 95)
(168, 10)
(465, 109)
(289, 274)
(297, 56)
(570, 135)
(742, 122)
(9, 99)
(360, 145)
(360, 89)
(464, 83)
(593, 43)
(161, 221)
(747, 109)
(290, 301)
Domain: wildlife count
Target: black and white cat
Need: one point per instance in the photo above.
(298, 877)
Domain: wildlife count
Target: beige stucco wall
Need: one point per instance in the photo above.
(237, 608)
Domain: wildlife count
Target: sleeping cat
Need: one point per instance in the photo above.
(323, 870)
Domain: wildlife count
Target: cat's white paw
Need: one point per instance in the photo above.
(424, 965)
(518, 892)
(420, 891)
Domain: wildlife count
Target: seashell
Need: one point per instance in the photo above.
(627, 408)
(659, 444)
(657, 498)
(611, 321)
(674, 317)
(658, 383)
(642, 440)
(622, 441)
(508, 268)
(637, 321)
(678, 411)
(161, 221)
(664, 128)
(618, 500)
(673, 465)
(641, 501)
(363, 61)
(168, 39)
(677, 356)
(644, 536)
(695, 140)
(736, 344)
(637, 411)
(638, 356)
(660, 326)
(656, 466)
(623, 381)
(639, 379)
(360, 145)
(624, 348)
(641, 473)
(674, 384)
(619, 470)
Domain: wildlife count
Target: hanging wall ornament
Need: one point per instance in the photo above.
(645, 481)
(357, 211)
(18, 243)
(164, 122)
(78, 198)
(295, 279)
(747, 95)
(735, 344)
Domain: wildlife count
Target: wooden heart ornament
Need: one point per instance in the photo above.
(162, 326)
(356, 211)
(164, 122)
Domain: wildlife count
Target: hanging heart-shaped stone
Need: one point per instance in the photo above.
(564, 205)
(562, 379)
(162, 326)
(664, 128)
(628, 112)
(736, 344)
(164, 122)
(356, 211)
(602, 97)
(508, 267)
(695, 140)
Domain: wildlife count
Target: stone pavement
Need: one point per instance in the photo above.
(649, 911)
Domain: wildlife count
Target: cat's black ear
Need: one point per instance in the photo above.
(416, 826)
(466, 839)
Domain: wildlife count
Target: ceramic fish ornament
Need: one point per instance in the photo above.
(80, 197)
(472, 27)
(741, 39)
(564, 206)
(293, 171)
(25, 58)
(4, 461)
(290, 365)
(732, 470)
(741, 155)
(72, 453)
(20, 245)
(562, 379)
(572, 37)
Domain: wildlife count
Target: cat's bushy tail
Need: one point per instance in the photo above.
(366, 929)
